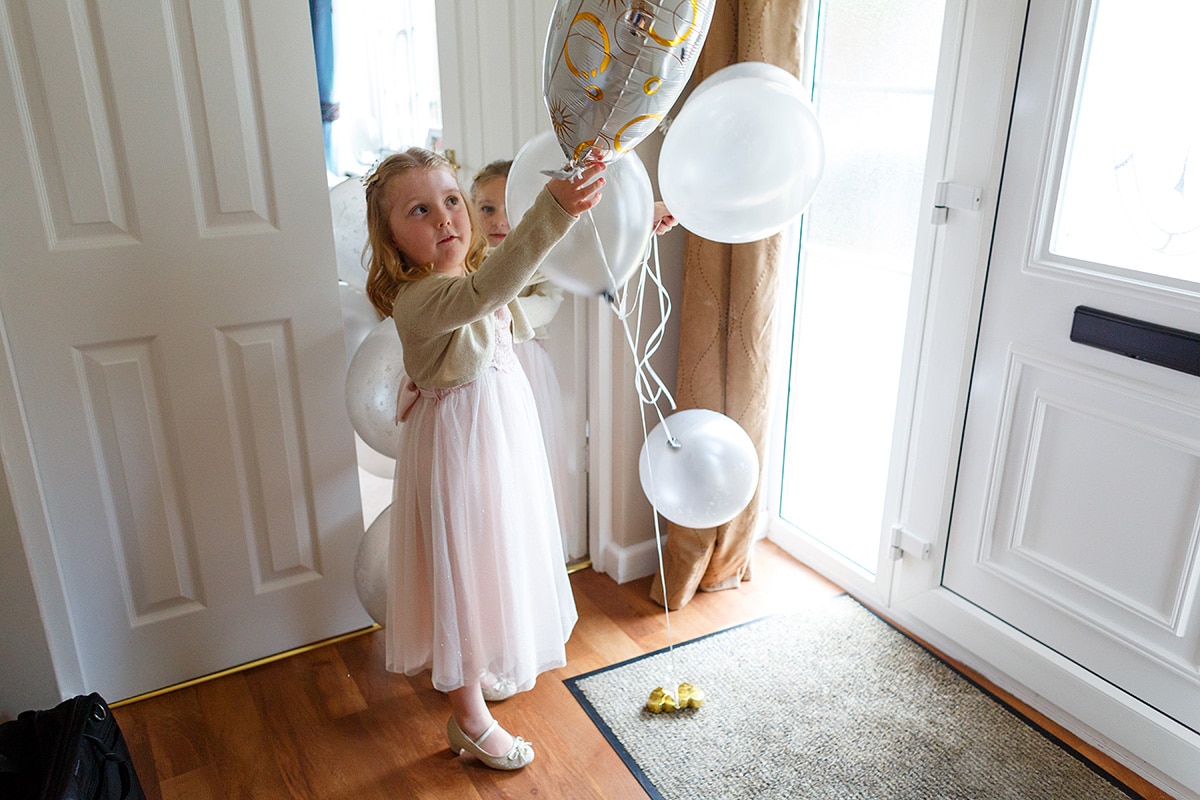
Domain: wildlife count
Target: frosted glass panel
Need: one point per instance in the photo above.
(1130, 195)
(874, 72)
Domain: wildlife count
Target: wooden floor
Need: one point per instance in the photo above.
(333, 724)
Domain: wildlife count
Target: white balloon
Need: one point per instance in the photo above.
(707, 476)
(348, 205)
(743, 157)
(372, 383)
(358, 316)
(605, 247)
(371, 567)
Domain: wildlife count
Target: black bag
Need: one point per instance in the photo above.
(74, 751)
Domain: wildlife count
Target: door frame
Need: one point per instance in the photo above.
(981, 74)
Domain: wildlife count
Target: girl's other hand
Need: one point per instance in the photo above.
(664, 220)
(581, 194)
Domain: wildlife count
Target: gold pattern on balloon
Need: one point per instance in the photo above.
(691, 26)
(562, 119)
(586, 74)
(643, 118)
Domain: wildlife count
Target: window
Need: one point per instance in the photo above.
(385, 81)
(874, 64)
(1131, 187)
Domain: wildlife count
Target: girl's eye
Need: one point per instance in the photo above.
(452, 200)
(487, 209)
(418, 209)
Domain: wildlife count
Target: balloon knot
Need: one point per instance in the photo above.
(568, 172)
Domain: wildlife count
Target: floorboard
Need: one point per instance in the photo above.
(332, 724)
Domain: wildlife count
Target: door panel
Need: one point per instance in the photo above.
(1077, 513)
(170, 304)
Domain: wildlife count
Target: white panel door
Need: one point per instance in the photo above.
(1077, 512)
(170, 312)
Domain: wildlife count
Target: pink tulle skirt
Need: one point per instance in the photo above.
(477, 577)
(547, 393)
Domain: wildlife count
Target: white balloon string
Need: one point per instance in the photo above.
(671, 681)
(650, 390)
(612, 279)
(650, 387)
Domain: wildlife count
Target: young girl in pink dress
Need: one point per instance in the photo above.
(477, 583)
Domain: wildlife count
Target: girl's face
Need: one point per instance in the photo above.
(490, 210)
(429, 220)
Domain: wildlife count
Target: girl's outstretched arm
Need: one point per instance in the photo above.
(581, 194)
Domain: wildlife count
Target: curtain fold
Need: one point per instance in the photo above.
(727, 317)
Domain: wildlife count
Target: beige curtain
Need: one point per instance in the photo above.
(727, 312)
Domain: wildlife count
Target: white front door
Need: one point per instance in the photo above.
(170, 315)
(1077, 512)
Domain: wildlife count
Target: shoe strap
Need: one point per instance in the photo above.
(479, 742)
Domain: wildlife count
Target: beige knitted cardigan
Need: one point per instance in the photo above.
(445, 322)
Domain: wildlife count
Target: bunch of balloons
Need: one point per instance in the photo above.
(739, 162)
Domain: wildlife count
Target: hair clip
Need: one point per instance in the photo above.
(371, 176)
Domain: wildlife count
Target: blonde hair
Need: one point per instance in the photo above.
(388, 269)
(496, 169)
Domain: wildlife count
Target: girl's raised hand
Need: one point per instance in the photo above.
(581, 194)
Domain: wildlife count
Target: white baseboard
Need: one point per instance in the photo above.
(625, 564)
(628, 563)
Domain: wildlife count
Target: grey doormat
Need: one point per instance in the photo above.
(830, 703)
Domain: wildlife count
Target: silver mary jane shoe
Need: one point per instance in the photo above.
(517, 757)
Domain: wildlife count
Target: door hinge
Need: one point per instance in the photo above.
(587, 446)
(905, 541)
(954, 195)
